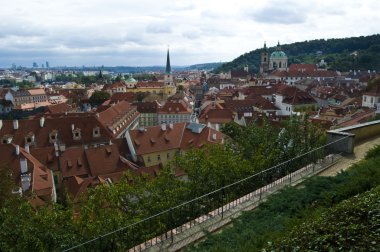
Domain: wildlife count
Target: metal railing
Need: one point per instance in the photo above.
(165, 225)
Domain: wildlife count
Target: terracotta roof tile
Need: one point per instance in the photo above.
(58, 108)
(179, 138)
(60, 123)
(172, 107)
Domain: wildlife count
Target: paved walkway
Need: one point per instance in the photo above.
(347, 160)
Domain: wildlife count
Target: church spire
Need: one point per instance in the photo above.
(168, 69)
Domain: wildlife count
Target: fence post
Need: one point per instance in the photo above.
(223, 200)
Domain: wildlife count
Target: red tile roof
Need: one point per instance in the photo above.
(150, 84)
(147, 107)
(375, 91)
(62, 124)
(58, 108)
(262, 103)
(173, 107)
(127, 96)
(154, 139)
(118, 117)
(41, 176)
(303, 67)
(216, 116)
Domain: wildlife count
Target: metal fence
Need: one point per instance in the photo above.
(164, 226)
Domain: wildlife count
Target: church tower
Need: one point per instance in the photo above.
(278, 59)
(168, 72)
(264, 65)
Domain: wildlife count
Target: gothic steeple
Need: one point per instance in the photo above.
(168, 69)
(168, 72)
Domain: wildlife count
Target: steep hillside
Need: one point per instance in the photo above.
(340, 54)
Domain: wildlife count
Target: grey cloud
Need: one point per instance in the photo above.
(158, 28)
(191, 35)
(279, 14)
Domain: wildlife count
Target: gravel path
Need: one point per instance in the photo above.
(347, 160)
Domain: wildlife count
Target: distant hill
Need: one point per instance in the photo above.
(144, 69)
(340, 54)
(204, 66)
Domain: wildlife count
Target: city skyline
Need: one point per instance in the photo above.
(138, 33)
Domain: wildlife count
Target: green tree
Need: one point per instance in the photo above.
(98, 97)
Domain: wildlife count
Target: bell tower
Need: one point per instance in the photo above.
(168, 72)
(264, 65)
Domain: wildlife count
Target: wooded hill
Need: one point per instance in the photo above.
(344, 54)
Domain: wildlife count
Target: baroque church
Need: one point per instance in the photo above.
(276, 61)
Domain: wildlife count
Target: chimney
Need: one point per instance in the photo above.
(23, 165)
(27, 148)
(17, 150)
(171, 126)
(1, 124)
(15, 124)
(97, 115)
(42, 121)
(163, 127)
(214, 136)
(25, 181)
(72, 127)
(62, 147)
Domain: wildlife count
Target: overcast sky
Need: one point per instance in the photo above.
(137, 33)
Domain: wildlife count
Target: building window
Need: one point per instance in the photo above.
(158, 157)
(76, 134)
(365, 98)
(96, 132)
(148, 159)
(168, 155)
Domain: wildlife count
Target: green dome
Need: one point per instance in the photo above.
(278, 54)
(131, 79)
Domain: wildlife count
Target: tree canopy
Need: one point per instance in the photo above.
(339, 54)
(98, 97)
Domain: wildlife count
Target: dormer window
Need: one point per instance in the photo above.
(7, 139)
(96, 132)
(76, 134)
(53, 136)
(29, 139)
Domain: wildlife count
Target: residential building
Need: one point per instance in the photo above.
(30, 175)
(148, 113)
(289, 99)
(158, 145)
(118, 118)
(215, 116)
(174, 112)
(371, 99)
(26, 96)
(5, 106)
